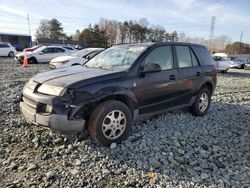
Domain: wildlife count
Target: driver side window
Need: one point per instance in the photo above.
(161, 56)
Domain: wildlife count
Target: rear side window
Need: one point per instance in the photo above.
(4, 46)
(203, 55)
(58, 50)
(184, 57)
(48, 50)
(161, 56)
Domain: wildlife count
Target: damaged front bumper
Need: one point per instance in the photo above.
(56, 122)
(49, 111)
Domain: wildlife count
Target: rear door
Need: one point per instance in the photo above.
(57, 52)
(45, 56)
(189, 72)
(158, 90)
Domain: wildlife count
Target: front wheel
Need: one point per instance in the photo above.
(202, 102)
(110, 122)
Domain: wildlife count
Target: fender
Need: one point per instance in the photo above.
(207, 79)
(83, 103)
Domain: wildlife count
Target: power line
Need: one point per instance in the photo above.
(212, 31)
(28, 19)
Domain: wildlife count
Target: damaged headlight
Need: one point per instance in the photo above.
(51, 90)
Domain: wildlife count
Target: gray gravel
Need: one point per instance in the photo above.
(168, 150)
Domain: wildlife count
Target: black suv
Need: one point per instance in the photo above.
(119, 85)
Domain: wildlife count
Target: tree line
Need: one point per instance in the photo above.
(109, 32)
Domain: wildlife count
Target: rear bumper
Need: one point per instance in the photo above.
(57, 122)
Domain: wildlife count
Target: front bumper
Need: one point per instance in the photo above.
(56, 122)
(34, 105)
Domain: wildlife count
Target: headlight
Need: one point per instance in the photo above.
(31, 84)
(51, 90)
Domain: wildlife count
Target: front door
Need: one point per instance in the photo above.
(159, 90)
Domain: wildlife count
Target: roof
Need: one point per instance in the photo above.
(15, 34)
(161, 43)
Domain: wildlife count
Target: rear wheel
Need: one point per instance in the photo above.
(11, 54)
(110, 122)
(202, 102)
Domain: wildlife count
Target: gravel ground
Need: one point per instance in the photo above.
(168, 150)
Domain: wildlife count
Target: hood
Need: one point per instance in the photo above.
(62, 58)
(69, 76)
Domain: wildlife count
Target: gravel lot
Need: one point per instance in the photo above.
(168, 150)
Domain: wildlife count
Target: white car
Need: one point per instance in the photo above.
(222, 62)
(78, 58)
(6, 49)
(44, 54)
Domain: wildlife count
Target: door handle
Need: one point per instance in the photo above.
(172, 77)
(198, 73)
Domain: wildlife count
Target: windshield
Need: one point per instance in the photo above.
(117, 58)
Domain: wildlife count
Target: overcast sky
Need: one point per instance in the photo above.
(192, 17)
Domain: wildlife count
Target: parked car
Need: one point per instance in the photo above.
(43, 54)
(222, 62)
(6, 49)
(237, 63)
(78, 58)
(119, 85)
(32, 48)
(247, 64)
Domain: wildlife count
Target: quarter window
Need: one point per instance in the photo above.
(161, 56)
(194, 59)
(184, 57)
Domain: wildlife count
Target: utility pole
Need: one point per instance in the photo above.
(241, 37)
(28, 19)
(212, 31)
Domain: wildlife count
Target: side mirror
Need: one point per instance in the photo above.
(40, 53)
(151, 68)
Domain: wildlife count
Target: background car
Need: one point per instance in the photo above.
(247, 64)
(6, 49)
(222, 62)
(237, 63)
(78, 58)
(43, 54)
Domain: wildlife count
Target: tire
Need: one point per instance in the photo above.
(100, 126)
(242, 66)
(75, 64)
(32, 60)
(11, 54)
(197, 109)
